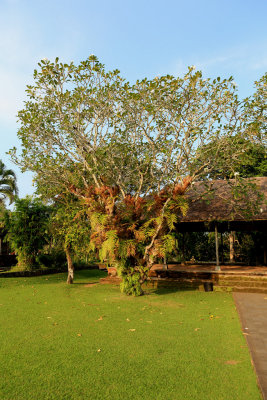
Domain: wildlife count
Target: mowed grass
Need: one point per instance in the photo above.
(77, 342)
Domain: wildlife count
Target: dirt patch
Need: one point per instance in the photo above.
(110, 280)
(232, 362)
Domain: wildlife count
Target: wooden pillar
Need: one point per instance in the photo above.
(222, 256)
(217, 268)
(165, 263)
(182, 258)
(231, 243)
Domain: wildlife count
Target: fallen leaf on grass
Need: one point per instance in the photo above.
(197, 329)
(79, 334)
(48, 317)
(101, 318)
(98, 350)
(127, 319)
(149, 322)
(232, 362)
(132, 330)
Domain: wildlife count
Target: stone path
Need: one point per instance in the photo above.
(252, 308)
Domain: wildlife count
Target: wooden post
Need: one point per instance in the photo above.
(231, 243)
(222, 256)
(183, 258)
(217, 268)
(0, 246)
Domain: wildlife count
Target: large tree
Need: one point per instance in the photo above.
(127, 152)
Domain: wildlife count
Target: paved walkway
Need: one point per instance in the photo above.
(252, 308)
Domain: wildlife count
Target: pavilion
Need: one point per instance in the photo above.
(219, 206)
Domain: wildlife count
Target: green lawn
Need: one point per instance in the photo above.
(77, 342)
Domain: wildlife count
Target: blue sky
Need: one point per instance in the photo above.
(140, 38)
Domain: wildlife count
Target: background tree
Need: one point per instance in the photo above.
(236, 156)
(8, 185)
(127, 152)
(253, 162)
(27, 228)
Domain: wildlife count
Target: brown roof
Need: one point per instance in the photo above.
(221, 200)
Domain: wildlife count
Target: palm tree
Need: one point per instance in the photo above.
(8, 184)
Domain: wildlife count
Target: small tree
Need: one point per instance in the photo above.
(71, 230)
(27, 230)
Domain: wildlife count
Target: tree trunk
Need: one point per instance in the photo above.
(70, 266)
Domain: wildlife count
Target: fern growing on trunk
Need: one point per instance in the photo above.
(130, 233)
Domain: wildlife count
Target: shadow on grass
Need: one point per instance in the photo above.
(163, 291)
(81, 277)
(90, 273)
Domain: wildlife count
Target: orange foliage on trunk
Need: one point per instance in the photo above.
(180, 188)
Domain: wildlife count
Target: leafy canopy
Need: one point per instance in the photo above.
(83, 125)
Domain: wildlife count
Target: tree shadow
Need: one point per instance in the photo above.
(163, 291)
(81, 277)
